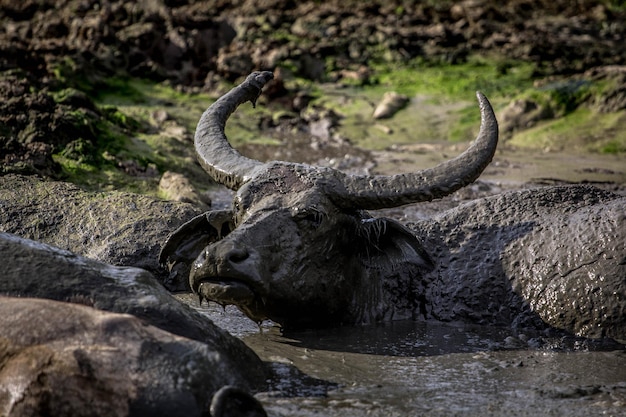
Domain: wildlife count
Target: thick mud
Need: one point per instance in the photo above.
(433, 369)
(413, 368)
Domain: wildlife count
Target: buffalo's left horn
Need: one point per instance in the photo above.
(223, 163)
(376, 192)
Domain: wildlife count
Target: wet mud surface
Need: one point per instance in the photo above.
(396, 369)
(433, 369)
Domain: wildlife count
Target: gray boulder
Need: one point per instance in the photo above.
(73, 360)
(113, 227)
(33, 269)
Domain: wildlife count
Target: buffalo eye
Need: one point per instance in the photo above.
(311, 216)
(238, 209)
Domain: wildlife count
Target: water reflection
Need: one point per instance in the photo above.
(418, 338)
(399, 338)
(406, 338)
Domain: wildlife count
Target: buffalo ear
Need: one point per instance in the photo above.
(184, 245)
(389, 244)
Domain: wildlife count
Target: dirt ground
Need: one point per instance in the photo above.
(57, 57)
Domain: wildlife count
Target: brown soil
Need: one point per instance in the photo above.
(49, 46)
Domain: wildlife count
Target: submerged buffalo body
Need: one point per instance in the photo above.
(298, 247)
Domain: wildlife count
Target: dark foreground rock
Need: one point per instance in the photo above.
(112, 227)
(74, 360)
(33, 269)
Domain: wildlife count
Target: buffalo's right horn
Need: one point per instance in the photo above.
(379, 191)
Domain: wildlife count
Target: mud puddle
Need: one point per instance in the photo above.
(433, 369)
(413, 368)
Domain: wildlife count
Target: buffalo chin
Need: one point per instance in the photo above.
(226, 292)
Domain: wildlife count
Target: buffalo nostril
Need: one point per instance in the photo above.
(237, 255)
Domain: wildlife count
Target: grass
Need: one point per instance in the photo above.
(491, 76)
(580, 130)
(442, 108)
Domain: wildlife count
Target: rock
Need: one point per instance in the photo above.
(361, 75)
(34, 269)
(613, 98)
(177, 187)
(234, 62)
(79, 361)
(312, 67)
(113, 227)
(35, 126)
(390, 104)
(160, 116)
(384, 128)
(522, 114)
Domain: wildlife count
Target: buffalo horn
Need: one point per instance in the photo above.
(376, 192)
(223, 163)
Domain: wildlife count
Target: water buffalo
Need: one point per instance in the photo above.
(298, 247)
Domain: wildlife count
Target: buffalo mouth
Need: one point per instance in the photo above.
(226, 291)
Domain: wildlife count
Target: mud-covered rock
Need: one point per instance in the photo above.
(522, 114)
(34, 269)
(391, 103)
(35, 126)
(113, 227)
(613, 99)
(177, 187)
(78, 361)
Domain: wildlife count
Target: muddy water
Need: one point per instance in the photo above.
(413, 368)
(433, 369)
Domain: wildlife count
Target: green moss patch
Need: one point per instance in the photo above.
(442, 108)
(581, 130)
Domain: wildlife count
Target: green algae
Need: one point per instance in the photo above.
(442, 108)
(492, 76)
(581, 130)
(131, 135)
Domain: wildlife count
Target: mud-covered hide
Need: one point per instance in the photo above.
(113, 227)
(541, 258)
(290, 254)
(550, 256)
(33, 269)
(72, 360)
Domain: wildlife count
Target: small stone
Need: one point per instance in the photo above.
(391, 103)
(177, 187)
(159, 116)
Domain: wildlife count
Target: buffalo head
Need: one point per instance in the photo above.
(297, 246)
